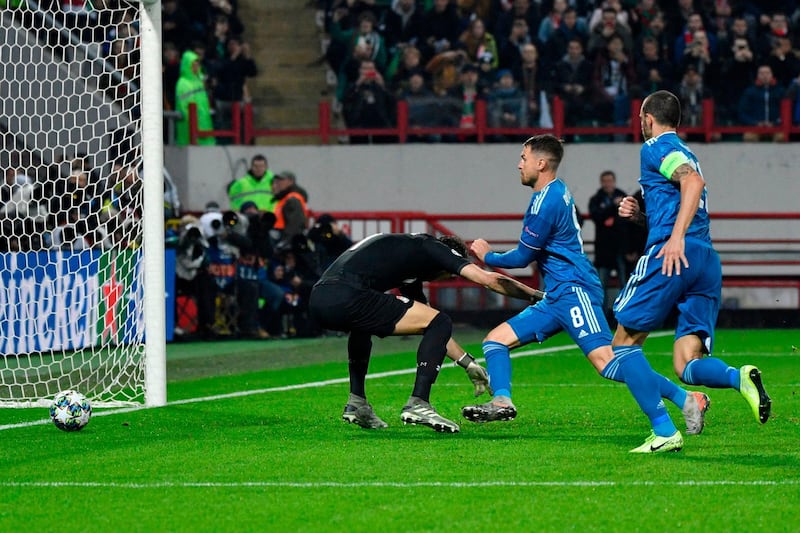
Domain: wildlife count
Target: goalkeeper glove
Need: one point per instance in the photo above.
(477, 374)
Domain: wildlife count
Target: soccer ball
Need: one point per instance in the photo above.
(70, 410)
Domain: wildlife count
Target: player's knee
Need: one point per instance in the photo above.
(440, 326)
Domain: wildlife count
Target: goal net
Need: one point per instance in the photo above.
(73, 201)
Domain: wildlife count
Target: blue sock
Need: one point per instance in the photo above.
(498, 364)
(670, 390)
(711, 372)
(667, 388)
(630, 364)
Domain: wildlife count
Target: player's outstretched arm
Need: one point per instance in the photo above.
(501, 284)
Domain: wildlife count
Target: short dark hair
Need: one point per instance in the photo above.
(549, 144)
(665, 108)
(455, 244)
(258, 157)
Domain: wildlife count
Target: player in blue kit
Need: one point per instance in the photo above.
(572, 303)
(680, 267)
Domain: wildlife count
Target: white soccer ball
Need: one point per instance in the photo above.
(70, 410)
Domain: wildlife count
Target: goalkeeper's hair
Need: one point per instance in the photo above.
(455, 244)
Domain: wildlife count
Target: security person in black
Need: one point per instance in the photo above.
(351, 297)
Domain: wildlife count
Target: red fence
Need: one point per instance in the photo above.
(766, 256)
(243, 130)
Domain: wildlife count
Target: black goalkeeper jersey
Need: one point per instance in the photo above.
(395, 261)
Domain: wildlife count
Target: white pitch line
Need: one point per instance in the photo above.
(391, 484)
(298, 386)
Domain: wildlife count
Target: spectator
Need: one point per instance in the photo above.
(365, 34)
(487, 73)
(721, 22)
(691, 92)
(612, 80)
(642, 16)
(216, 44)
(571, 27)
(657, 31)
(653, 73)
(441, 28)
(679, 18)
(176, 26)
(534, 85)
(191, 89)
(506, 106)
(699, 54)
(511, 49)
(602, 33)
(467, 93)
(760, 105)
(425, 109)
(410, 60)
(171, 73)
(737, 70)
(511, 11)
(573, 83)
(695, 44)
(739, 30)
(783, 61)
(552, 21)
(232, 75)
(255, 186)
(403, 25)
(478, 43)
(290, 208)
(444, 70)
(772, 26)
(610, 242)
(368, 104)
(620, 13)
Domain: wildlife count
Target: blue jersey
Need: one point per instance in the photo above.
(660, 156)
(551, 235)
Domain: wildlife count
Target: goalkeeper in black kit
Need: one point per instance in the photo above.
(351, 297)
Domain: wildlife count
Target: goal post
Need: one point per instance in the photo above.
(82, 264)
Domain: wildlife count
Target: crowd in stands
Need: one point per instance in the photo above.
(596, 55)
(206, 61)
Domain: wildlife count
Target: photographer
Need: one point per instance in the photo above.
(192, 281)
(328, 239)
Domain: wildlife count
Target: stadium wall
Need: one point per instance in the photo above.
(450, 178)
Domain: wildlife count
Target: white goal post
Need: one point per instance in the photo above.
(82, 266)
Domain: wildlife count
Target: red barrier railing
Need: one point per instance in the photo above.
(243, 130)
(747, 262)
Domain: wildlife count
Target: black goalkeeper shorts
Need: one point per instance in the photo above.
(343, 306)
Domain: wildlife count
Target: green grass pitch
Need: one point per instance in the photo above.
(252, 440)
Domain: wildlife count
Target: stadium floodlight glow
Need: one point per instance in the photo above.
(82, 275)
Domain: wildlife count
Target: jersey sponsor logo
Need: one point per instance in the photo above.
(531, 232)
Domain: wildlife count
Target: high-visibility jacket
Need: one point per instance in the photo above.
(280, 218)
(247, 188)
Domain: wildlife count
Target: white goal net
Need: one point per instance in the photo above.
(72, 202)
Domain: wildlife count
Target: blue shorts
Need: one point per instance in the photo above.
(575, 312)
(649, 296)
